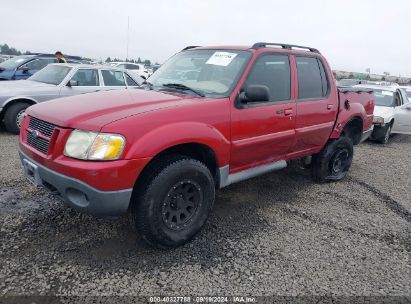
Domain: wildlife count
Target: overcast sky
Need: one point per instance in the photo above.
(352, 34)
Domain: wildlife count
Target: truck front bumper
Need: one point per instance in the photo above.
(367, 134)
(76, 193)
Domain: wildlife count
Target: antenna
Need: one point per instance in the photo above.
(128, 30)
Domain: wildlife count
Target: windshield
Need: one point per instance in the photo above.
(208, 72)
(13, 63)
(51, 74)
(384, 98)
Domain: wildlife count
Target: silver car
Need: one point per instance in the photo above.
(58, 80)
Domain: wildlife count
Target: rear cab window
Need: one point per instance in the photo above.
(313, 82)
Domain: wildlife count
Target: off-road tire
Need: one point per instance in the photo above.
(152, 198)
(10, 117)
(334, 160)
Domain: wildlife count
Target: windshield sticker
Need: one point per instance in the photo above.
(221, 58)
(387, 93)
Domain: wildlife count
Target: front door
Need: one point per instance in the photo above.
(264, 132)
(28, 69)
(83, 81)
(402, 115)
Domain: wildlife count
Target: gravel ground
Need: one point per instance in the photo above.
(279, 234)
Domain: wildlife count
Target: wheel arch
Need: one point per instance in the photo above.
(353, 129)
(15, 100)
(194, 150)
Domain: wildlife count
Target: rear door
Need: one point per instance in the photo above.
(402, 115)
(264, 132)
(316, 106)
(113, 80)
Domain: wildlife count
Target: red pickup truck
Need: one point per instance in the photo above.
(209, 117)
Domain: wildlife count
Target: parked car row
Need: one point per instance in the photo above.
(24, 66)
(140, 68)
(392, 112)
(55, 81)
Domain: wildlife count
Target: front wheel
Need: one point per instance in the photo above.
(173, 201)
(386, 134)
(14, 116)
(334, 161)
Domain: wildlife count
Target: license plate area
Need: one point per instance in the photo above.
(32, 173)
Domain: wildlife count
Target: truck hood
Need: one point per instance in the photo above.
(95, 110)
(385, 112)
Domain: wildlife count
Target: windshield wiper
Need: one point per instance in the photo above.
(183, 87)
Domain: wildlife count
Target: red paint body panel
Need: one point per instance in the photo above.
(152, 122)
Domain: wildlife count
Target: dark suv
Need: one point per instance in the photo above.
(22, 67)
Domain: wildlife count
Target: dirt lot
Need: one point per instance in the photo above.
(279, 234)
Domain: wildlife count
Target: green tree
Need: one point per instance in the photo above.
(108, 59)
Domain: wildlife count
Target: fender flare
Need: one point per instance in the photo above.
(170, 135)
(356, 111)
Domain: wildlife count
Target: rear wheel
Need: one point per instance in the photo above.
(14, 116)
(173, 201)
(334, 161)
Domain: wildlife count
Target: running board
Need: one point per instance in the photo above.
(228, 179)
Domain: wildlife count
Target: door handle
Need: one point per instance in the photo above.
(330, 106)
(285, 112)
(288, 112)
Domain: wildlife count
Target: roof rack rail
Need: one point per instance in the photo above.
(190, 47)
(283, 45)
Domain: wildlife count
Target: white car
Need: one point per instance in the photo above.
(138, 67)
(392, 113)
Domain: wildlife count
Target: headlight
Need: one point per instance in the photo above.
(94, 146)
(378, 120)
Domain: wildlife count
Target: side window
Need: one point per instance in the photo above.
(36, 64)
(86, 77)
(130, 81)
(312, 79)
(272, 71)
(121, 66)
(113, 78)
(404, 97)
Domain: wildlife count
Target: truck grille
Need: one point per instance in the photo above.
(38, 143)
(39, 133)
(39, 125)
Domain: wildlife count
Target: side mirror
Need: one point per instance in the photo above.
(72, 83)
(255, 93)
(24, 69)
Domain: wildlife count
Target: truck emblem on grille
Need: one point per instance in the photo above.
(35, 134)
